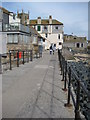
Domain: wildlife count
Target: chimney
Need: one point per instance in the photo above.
(50, 19)
(39, 20)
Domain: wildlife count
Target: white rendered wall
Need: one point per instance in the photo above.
(11, 20)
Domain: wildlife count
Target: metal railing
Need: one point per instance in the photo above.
(14, 58)
(80, 95)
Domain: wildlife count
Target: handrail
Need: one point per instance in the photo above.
(14, 58)
(68, 70)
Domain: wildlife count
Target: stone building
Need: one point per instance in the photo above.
(75, 42)
(24, 17)
(88, 47)
(50, 29)
(19, 36)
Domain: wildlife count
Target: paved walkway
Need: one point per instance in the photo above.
(34, 90)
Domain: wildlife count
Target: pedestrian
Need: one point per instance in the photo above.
(50, 49)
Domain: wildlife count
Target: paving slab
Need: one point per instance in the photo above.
(34, 90)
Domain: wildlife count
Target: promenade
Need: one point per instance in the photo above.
(34, 90)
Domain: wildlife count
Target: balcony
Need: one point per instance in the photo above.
(16, 27)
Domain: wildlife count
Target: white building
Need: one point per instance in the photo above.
(50, 29)
(13, 18)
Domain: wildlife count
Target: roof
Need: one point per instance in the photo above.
(4, 10)
(45, 22)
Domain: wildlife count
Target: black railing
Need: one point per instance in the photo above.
(80, 95)
(14, 58)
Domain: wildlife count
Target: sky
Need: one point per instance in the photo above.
(74, 15)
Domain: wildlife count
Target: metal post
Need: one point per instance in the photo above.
(77, 113)
(61, 63)
(30, 55)
(0, 64)
(10, 59)
(63, 69)
(68, 104)
(18, 59)
(65, 73)
(23, 57)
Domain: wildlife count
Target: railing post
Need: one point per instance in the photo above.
(10, 60)
(68, 104)
(65, 75)
(23, 57)
(18, 59)
(61, 63)
(63, 68)
(77, 113)
(30, 55)
(0, 64)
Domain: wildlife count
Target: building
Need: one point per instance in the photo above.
(4, 18)
(88, 47)
(19, 36)
(24, 17)
(75, 42)
(50, 29)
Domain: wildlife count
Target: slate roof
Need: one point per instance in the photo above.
(4, 10)
(45, 22)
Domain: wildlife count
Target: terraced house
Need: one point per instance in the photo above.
(50, 29)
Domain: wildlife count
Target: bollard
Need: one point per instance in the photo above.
(77, 113)
(68, 104)
(65, 77)
(18, 59)
(10, 60)
(23, 57)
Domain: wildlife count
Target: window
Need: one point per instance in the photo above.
(57, 27)
(38, 28)
(78, 45)
(59, 36)
(43, 40)
(60, 43)
(81, 44)
(46, 35)
(15, 37)
(25, 18)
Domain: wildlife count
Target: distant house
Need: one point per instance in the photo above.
(50, 29)
(75, 42)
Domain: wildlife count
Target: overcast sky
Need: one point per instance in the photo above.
(74, 15)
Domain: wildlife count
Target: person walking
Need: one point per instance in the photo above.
(50, 49)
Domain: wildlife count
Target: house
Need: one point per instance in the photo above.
(75, 42)
(50, 29)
